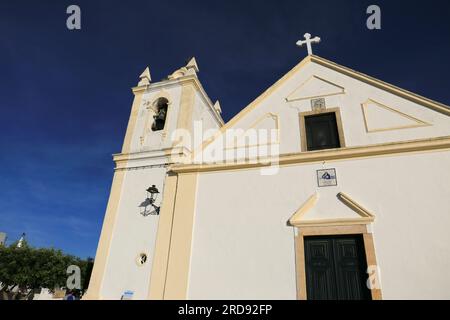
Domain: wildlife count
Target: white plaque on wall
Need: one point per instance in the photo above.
(326, 178)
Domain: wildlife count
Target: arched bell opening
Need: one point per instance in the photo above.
(159, 119)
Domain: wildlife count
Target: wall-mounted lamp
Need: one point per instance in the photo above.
(152, 194)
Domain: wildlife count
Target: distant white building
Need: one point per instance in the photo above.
(347, 198)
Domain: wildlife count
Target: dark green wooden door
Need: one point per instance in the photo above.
(336, 268)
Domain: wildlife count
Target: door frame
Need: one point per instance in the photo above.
(306, 231)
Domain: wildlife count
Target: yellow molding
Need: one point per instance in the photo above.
(252, 105)
(331, 230)
(340, 127)
(163, 237)
(138, 93)
(178, 263)
(439, 107)
(305, 207)
(139, 89)
(186, 80)
(328, 230)
(334, 222)
(187, 101)
(366, 216)
(434, 105)
(365, 105)
(315, 96)
(104, 244)
(371, 260)
(147, 154)
(266, 93)
(352, 204)
(384, 149)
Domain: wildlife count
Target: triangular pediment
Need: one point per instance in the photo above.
(380, 117)
(315, 87)
(314, 212)
(315, 77)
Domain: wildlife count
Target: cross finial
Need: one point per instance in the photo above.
(308, 42)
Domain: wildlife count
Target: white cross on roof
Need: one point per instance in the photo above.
(308, 42)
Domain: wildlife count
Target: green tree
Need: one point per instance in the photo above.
(30, 269)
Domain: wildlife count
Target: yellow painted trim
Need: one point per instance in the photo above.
(384, 149)
(352, 204)
(329, 230)
(186, 80)
(171, 261)
(204, 95)
(163, 237)
(178, 267)
(300, 266)
(332, 230)
(252, 105)
(366, 216)
(340, 128)
(342, 90)
(371, 259)
(365, 105)
(436, 106)
(265, 94)
(186, 110)
(334, 222)
(104, 244)
(138, 93)
(305, 207)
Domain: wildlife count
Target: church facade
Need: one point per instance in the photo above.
(330, 185)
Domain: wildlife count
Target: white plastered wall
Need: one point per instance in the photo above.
(155, 141)
(243, 249)
(133, 234)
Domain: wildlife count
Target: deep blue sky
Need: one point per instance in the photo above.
(65, 95)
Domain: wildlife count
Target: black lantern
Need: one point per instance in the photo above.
(153, 190)
(152, 194)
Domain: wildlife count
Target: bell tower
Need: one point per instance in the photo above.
(124, 259)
